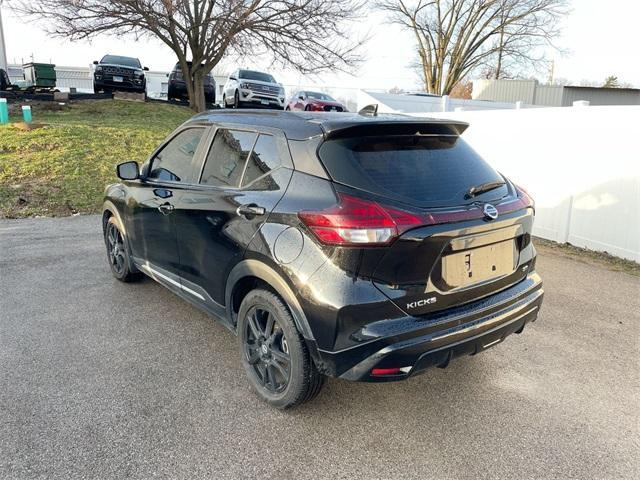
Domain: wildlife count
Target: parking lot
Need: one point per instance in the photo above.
(100, 379)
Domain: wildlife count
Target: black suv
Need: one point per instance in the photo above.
(363, 247)
(177, 88)
(115, 72)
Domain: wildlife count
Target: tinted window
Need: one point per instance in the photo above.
(424, 171)
(227, 157)
(263, 159)
(251, 75)
(118, 60)
(173, 163)
(320, 96)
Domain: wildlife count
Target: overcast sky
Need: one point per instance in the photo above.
(602, 39)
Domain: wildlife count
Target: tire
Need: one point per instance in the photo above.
(236, 100)
(307, 108)
(117, 252)
(274, 354)
(171, 94)
(287, 109)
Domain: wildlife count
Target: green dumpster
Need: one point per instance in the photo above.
(40, 75)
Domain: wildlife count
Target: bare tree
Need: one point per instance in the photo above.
(310, 35)
(457, 37)
(611, 82)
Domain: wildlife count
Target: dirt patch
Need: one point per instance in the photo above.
(27, 126)
(15, 106)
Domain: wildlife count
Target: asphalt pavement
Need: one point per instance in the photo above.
(100, 379)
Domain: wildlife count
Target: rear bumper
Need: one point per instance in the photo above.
(416, 343)
(180, 88)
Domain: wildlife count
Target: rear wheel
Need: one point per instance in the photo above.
(117, 253)
(273, 352)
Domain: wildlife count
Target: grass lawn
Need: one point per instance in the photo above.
(63, 167)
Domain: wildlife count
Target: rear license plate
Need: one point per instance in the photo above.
(118, 79)
(264, 102)
(479, 264)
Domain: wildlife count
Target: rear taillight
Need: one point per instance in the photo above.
(354, 221)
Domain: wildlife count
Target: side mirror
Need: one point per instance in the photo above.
(233, 78)
(128, 171)
(146, 69)
(301, 97)
(95, 62)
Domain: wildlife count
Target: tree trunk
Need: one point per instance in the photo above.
(500, 51)
(196, 92)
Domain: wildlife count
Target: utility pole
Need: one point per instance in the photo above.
(3, 52)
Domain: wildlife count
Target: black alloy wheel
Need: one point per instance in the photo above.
(267, 350)
(273, 353)
(115, 249)
(117, 252)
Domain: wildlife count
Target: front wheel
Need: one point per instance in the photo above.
(236, 100)
(273, 352)
(117, 253)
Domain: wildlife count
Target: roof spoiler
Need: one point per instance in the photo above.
(413, 126)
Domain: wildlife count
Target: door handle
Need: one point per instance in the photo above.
(166, 208)
(249, 211)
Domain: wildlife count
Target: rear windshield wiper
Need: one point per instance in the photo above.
(483, 188)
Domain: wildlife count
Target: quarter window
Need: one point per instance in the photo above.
(227, 157)
(262, 160)
(173, 163)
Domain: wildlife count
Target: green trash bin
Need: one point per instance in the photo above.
(40, 75)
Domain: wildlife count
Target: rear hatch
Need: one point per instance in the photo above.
(458, 227)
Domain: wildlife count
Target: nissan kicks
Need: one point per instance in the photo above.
(356, 246)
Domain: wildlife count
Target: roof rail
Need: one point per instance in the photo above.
(369, 110)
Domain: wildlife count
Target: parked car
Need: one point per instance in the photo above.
(248, 88)
(115, 72)
(362, 247)
(5, 82)
(177, 87)
(315, 102)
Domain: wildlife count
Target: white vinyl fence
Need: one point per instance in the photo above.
(581, 164)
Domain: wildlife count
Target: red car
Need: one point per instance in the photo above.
(314, 102)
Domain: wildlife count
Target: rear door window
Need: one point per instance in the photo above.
(426, 171)
(227, 158)
(173, 163)
(262, 160)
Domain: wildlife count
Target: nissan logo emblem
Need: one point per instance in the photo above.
(490, 211)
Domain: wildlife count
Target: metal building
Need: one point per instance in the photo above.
(533, 93)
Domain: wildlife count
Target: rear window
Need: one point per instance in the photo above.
(426, 171)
